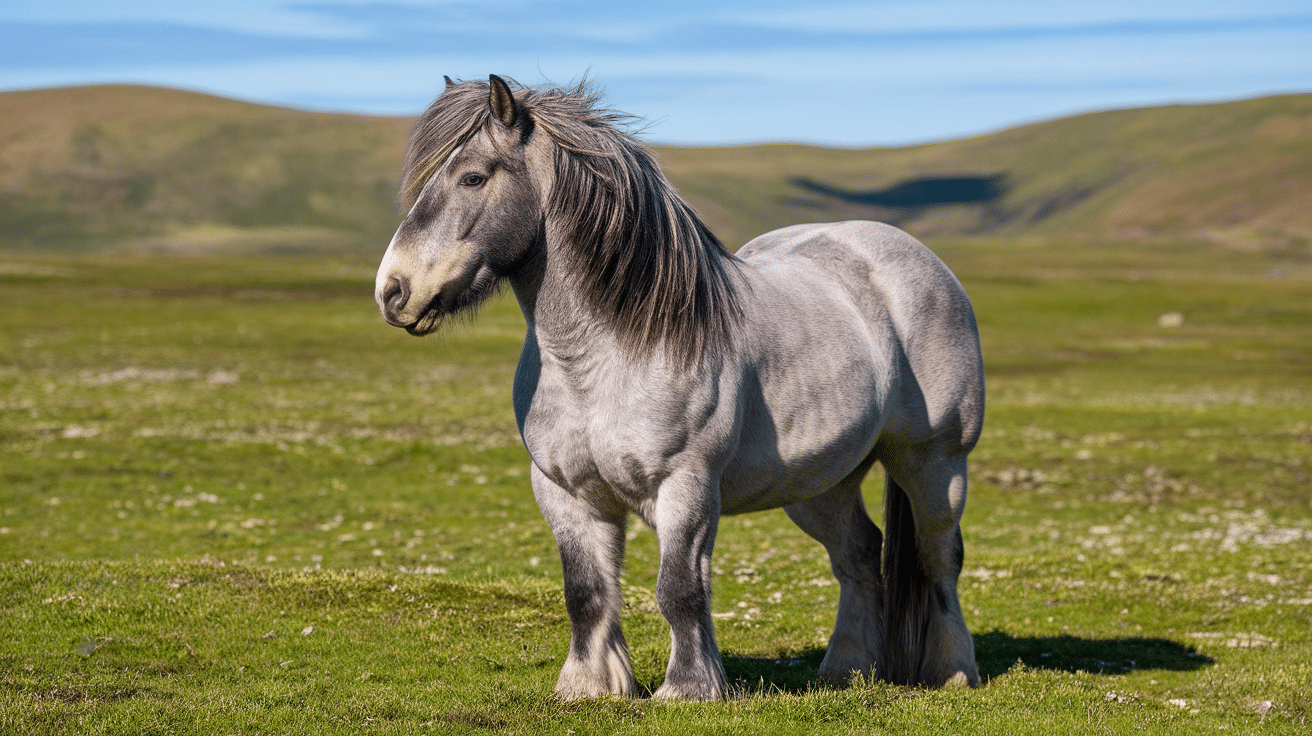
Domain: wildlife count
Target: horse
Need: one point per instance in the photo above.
(663, 376)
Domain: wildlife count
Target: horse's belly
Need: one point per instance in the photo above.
(756, 484)
(818, 396)
(781, 460)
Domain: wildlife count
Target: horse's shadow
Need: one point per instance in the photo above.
(995, 652)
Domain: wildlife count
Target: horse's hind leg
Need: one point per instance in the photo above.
(591, 543)
(838, 520)
(927, 639)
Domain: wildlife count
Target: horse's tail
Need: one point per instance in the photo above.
(908, 592)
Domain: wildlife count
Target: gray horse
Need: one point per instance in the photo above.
(663, 376)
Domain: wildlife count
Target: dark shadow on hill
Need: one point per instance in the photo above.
(916, 195)
(996, 652)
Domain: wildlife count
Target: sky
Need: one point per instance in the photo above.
(699, 72)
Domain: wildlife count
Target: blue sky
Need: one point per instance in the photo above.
(700, 72)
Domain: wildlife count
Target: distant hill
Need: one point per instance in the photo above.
(151, 169)
(159, 169)
(1238, 172)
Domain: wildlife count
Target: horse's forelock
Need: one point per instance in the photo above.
(454, 117)
(571, 116)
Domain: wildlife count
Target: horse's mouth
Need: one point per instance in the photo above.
(428, 321)
(419, 331)
(450, 300)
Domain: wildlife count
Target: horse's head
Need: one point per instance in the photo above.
(474, 178)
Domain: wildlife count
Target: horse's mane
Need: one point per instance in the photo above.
(641, 256)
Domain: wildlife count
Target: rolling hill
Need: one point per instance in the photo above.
(157, 169)
(148, 169)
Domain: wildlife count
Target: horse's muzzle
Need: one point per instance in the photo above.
(392, 299)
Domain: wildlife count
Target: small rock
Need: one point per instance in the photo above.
(1171, 320)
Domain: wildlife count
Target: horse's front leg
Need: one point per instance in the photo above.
(687, 513)
(591, 543)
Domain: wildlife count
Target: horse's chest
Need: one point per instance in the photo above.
(610, 442)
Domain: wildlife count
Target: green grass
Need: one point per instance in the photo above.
(234, 501)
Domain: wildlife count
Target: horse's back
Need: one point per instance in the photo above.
(900, 286)
(873, 253)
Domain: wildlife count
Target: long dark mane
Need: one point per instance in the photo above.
(641, 256)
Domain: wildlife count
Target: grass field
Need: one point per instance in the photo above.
(234, 501)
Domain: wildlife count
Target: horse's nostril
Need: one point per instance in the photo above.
(395, 294)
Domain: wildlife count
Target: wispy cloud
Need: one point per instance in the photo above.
(707, 70)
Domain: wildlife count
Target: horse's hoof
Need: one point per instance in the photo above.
(568, 694)
(610, 673)
(958, 681)
(670, 692)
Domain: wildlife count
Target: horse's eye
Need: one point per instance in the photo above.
(472, 180)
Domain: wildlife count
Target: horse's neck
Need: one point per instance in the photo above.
(559, 319)
(571, 328)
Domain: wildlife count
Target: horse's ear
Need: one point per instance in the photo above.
(449, 82)
(502, 101)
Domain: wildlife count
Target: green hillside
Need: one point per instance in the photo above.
(155, 169)
(1239, 172)
(147, 169)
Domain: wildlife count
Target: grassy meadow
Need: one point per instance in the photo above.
(234, 501)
